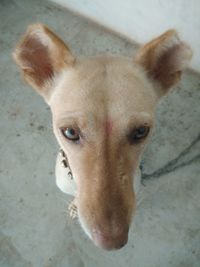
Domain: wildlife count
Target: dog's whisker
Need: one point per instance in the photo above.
(66, 201)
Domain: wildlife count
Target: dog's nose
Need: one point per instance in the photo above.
(110, 242)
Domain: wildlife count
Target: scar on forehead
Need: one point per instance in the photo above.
(108, 126)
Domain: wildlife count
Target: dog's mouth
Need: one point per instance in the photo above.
(107, 237)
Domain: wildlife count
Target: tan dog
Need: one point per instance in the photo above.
(103, 112)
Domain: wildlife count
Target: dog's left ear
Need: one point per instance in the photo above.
(42, 56)
(164, 59)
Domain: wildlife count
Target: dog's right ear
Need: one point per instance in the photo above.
(42, 56)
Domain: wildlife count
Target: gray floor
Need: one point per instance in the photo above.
(35, 230)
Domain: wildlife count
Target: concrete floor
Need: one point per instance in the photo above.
(35, 229)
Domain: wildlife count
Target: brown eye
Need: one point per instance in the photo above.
(71, 134)
(138, 134)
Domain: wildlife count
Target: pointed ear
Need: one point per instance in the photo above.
(41, 56)
(164, 59)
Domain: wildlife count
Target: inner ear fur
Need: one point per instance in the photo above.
(41, 56)
(164, 59)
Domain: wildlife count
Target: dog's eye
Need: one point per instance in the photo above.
(71, 134)
(138, 134)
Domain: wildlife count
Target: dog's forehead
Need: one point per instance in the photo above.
(104, 86)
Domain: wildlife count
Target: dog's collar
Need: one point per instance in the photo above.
(64, 163)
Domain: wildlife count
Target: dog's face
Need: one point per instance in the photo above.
(103, 132)
(103, 112)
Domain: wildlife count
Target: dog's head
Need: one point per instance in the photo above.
(103, 112)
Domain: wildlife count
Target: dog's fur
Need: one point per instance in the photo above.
(105, 98)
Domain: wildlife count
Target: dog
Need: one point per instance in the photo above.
(103, 114)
